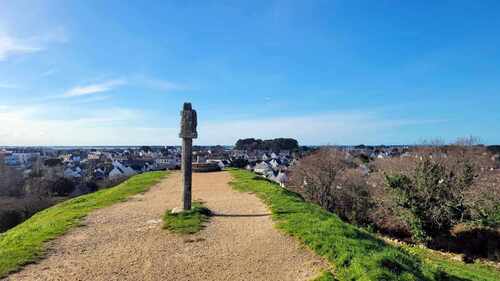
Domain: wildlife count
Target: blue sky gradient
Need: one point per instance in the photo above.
(324, 72)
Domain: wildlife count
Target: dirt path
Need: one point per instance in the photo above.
(126, 242)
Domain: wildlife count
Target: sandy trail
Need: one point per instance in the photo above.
(126, 242)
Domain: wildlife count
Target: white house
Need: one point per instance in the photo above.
(274, 164)
(262, 168)
(120, 170)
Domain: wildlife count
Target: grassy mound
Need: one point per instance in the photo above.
(188, 222)
(355, 253)
(24, 243)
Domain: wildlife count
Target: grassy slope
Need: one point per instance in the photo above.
(188, 222)
(25, 243)
(355, 253)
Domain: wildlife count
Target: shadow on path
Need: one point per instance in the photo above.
(240, 215)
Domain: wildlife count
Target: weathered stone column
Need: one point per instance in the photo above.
(189, 123)
(187, 160)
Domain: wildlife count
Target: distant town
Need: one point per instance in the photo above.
(94, 164)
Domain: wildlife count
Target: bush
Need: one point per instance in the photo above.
(11, 180)
(61, 187)
(92, 186)
(328, 178)
(15, 210)
(432, 196)
(9, 219)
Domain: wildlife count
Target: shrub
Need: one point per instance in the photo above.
(61, 187)
(432, 196)
(92, 186)
(15, 210)
(483, 200)
(11, 180)
(328, 178)
(9, 219)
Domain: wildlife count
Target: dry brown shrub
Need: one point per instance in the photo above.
(330, 178)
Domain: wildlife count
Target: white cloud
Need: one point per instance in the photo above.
(94, 88)
(10, 46)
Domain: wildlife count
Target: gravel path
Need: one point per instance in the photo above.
(126, 241)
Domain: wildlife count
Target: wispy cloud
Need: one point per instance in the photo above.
(10, 46)
(92, 89)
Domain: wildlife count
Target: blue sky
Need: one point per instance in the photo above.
(324, 72)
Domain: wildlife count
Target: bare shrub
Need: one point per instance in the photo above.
(329, 178)
(11, 180)
(483, 200)
(385, 212)
(61, 186)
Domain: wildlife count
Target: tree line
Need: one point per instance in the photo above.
(272, 144)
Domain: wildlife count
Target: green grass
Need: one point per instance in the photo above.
(188, 222)
(24, 243)
(325, 276)
(355, 253)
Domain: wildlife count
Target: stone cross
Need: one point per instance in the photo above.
(189, 123)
